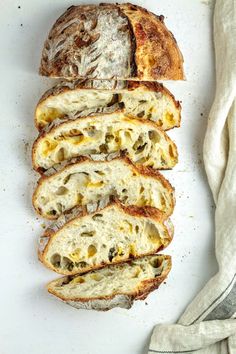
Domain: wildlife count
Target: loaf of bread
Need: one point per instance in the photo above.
(141, 141)
(114, 234)
(113, 286)
(111, 41)
(143, 100)
(92, 184)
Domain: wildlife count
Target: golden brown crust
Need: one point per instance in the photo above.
(151, 48)
(157, 54)
(141, 294)
(145, 171)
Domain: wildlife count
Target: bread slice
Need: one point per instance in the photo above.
(143, 100)
(141, 141)
(114, 234)
(92, 184)
(113, 286)
(111, 41)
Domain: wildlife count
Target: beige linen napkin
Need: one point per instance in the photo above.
(208, 325)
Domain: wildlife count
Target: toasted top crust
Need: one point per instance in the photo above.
(157, 55)
(109, 41)
(141, 99)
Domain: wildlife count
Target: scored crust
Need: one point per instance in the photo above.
(157, 54)
(53, 98)
(124, 300)
(111, 41)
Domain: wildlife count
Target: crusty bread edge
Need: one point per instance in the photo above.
(43, 133)
(145, 171)
(126, 7)
(108, 302)
(80, 85)
(147, 212)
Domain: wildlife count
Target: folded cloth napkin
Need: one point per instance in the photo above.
(208, 325)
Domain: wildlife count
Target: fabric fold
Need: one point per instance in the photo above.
(208, 325)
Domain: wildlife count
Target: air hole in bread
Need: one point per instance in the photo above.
(88, 234)
(112, 253)
(136, 272)
(114, 100)
(81, 264)
(141, 161)
(79, 198)
(91, 131)
(103, 148)
(141, 114)
(126, 226)
(100, 173)
(139, 142)
(44, 200)
(67, 263)
(97, 216)
(96, 277)
(171, 152)
(169, 117)
(109, 138)
(62, 190)
(136, 229)
(78, 280)
(75, 255)
(140, 148)
(153, 233)
(141, 189)
(121, 105)
(132, 251)
(66, 179)
(124, 198)
(52, 212)
(163, 201)
(154, 136)
(59, 207)
(60, 155)
(92, 250)
(56, 260)
(155, 263)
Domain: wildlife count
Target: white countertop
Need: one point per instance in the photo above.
(31, 321)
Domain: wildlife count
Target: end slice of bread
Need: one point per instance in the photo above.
(114, 234)
(141, 141)
(143, 100)
(93, 183)
(113, 286)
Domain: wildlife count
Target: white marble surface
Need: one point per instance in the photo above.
(30, 320)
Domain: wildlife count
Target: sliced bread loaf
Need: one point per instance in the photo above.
(113, 235)
(141, 141)
(113, 286)
(143, 100)
(92, 183)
